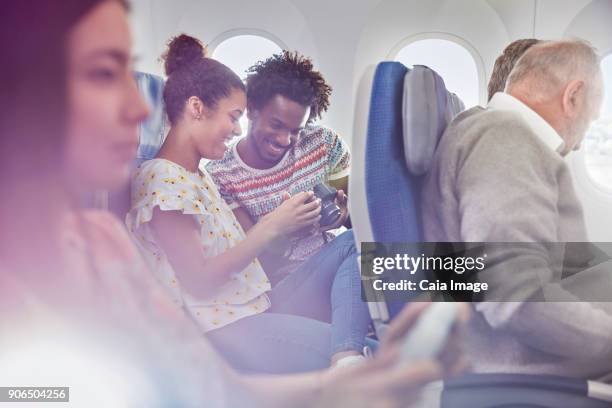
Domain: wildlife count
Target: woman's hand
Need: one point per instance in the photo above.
(294, 214)
(385, 381)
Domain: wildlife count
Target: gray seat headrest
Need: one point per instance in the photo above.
(427, 110)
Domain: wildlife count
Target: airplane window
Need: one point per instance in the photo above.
(242, 51)
(450, 60)
(598, 141)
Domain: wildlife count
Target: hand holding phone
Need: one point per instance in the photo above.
(429, 335)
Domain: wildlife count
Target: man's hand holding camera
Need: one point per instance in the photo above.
(331, 204)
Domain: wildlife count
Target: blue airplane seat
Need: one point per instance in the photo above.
(392, 192)
(152, 133)
(409, 111)
(153, 130)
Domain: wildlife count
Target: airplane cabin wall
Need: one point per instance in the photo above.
(345, 38)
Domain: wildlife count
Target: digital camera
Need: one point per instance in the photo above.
(330, 212)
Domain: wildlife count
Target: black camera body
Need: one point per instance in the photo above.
(330, 212)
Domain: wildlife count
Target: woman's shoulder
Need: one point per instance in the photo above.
(163, 173)
(169, 186)
(156, 169)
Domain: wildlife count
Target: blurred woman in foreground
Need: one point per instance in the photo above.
(70, 279)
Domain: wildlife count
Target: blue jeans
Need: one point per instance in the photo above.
(327, 287)
(293, 335)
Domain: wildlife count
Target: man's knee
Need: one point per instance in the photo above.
(347, 238)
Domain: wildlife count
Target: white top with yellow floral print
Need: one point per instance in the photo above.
(169, 186)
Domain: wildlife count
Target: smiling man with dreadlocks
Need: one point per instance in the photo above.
(282, 154)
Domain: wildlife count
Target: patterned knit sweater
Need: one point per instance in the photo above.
(320, 155)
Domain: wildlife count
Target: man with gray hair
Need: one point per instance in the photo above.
(499, 176)
(568, 73)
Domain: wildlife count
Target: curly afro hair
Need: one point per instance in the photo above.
(291, 75)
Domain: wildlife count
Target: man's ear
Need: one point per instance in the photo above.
(574, 97)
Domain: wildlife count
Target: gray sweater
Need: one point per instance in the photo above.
(494, 180)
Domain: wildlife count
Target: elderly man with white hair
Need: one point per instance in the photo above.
(499, 176)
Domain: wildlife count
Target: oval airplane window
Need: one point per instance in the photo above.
(451, 61)
(242, 51)
(598, 141)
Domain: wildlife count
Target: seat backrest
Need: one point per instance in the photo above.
(392, 190)
(152, 133)
(392, 193)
